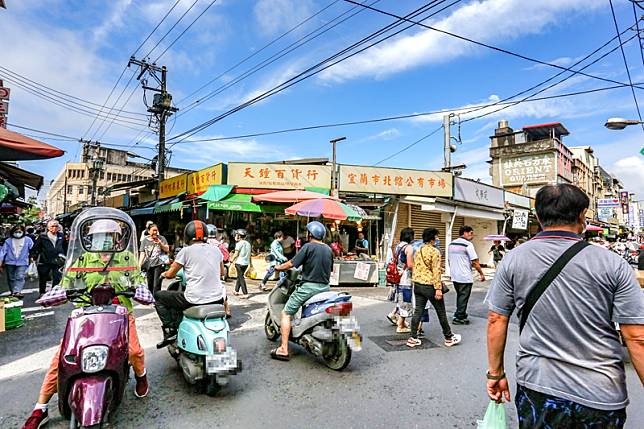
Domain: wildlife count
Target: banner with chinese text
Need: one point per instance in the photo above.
(394, 181)
(173, 186)
(199, 181)
(279, 176)
(528, 169)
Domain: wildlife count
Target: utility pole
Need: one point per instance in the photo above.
(91, 153)
(447, 152)
(334, 182)
(161, 106)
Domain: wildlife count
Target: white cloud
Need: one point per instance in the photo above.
(114, 20)
(486, 21)
(275, 16)
(208, 153)
(631, 171)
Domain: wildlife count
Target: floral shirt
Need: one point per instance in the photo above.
(427, 266)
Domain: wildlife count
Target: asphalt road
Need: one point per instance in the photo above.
(386, 384)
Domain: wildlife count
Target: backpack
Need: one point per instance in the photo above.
(393, 273)
(222, 248)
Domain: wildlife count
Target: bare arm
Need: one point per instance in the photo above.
(172, 271)
(477, 266)
(497, 331)
(285, 266)
(409, 251)
(634, 337)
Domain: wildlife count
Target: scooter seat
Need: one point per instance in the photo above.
(322, 296)
(214, 311)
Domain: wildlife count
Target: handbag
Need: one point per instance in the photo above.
(444, 287)
(393, 274)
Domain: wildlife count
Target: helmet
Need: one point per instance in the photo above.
(241, 232)
(316, 229)
(212, 231)
(105, 226)
(195, 230)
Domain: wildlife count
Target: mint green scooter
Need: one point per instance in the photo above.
(202, 348)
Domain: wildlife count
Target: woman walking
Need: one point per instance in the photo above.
(404, 291)
(429, 287)
(14, 256)
(241, 259)
(153, 257)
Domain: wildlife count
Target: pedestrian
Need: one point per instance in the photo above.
(49, 252)
(14, 257)
(153, 256)
(146, 231)
(276, 257)
(404, 290)
(241, 259)
(462, 257)
(288, 244)
(570, 372)
(428, 286)
(30, 232)
(497, 251)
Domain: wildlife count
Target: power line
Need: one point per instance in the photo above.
(123, 105)
(171, 28)
(639, 34)
(268, 61)
(485, 45)
(313, 70)
(185, 30)
(409, 146)
(257, 52)
(392, 118)
(156, 27)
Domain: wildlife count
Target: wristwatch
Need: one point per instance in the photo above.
(494, 377)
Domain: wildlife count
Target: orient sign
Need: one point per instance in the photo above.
(528, 169)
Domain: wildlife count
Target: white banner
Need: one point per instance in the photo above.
(520, 219)
(470, 191)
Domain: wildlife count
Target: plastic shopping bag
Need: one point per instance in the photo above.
(494, 417)
(32, 271)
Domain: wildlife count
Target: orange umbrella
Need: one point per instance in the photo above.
(291, 196)
(16, 147)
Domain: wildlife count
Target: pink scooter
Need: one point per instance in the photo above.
(93, 368)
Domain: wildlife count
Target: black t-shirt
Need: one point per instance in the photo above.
(317, 262)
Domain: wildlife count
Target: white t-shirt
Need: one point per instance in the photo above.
(461, 254)
(202, 268)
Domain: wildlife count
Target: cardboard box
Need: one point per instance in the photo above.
(1, 316)
(640, 277)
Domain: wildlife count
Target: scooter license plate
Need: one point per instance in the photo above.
(221, 362)
(347, 324)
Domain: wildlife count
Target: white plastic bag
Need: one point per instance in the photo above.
(32, 271)
(494, 417)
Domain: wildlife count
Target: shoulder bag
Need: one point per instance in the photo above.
(547, 279)
(393, 274)
(444, 287)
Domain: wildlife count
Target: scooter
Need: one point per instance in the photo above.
(93, 369)
(202, 348)
(325, 327)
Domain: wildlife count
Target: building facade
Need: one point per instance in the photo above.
(73, 186)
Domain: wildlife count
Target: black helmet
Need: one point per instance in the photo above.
(195, 230)
(316, 229)
(212, 231)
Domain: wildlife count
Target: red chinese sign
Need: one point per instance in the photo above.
(392, 181)
(279, 176)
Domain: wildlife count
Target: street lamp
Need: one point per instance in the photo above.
(334, 186)
(620, 123)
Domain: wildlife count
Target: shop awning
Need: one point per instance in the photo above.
(216, 192)
(243, 203)
(145, 209)
(169, 205)
(18, 176)
(481, 214)
(16, 147)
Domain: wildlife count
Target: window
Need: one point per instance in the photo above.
(109, 177)
(80, 190)
(129, 177)
(70, 189)
(90, 190)
(102, 175)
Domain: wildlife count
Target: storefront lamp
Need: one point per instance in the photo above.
(620, 123)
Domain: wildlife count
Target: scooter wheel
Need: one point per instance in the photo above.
(271, 331)
(211, 386)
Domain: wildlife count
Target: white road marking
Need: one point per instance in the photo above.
(37, 315)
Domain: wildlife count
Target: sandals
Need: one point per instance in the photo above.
(392, 319)
(413, 342)
(276, 356)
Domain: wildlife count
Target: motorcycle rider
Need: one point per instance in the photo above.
(103, 234)
(202, 265)
(316, 260)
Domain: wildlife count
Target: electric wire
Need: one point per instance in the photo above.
(171, 28)
(639, 33)
(103, 122)
(409, 146)
(313, 70)
(156, 27)
(124, 104)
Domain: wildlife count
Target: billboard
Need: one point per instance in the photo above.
(528, 169)
(470, 191)
(199, 181)
(279, 176)
(173, 186)
(395, 181)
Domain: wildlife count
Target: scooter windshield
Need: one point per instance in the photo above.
(102, 239)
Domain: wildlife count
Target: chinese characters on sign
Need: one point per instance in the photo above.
(279, 176)
(528, 169)
(173, 186)
(520, 219)
(4, 105)
(480, 193)
(395, 181)
(199, 181)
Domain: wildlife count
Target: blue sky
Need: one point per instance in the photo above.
(81, 47)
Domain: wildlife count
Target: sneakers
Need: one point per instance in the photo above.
(37, 419)
(141, 390)
(460, 321)
(413, 342)
(456, 338)
(169, 337)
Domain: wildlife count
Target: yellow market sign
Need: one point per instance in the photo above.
(394, 181)
(173, 186)
(279, 176)
(199, 181)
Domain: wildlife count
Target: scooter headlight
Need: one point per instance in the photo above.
(94, 358)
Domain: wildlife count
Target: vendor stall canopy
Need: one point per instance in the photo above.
(326, 208)
(16, 147)
(243, 203)
(291, 196)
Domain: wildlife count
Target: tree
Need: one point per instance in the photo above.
(31, 215)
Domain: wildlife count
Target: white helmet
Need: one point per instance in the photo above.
(105, 226)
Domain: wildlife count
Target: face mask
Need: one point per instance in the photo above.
(438, 243)
(102, 242)
(18, 234)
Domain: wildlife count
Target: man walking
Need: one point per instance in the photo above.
(462, 257)
(570, 372)
(47, 249)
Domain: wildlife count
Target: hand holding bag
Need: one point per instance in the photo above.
(494, 417)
